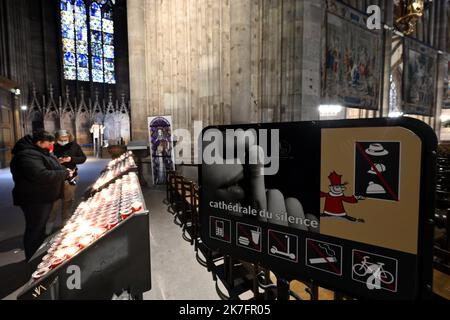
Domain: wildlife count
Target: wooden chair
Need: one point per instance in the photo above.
(210, 257)
(187, 213)
(169, 185)
(195, 215)
(237, 277)
(177, 202)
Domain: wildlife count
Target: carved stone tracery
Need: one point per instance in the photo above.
(77, 114)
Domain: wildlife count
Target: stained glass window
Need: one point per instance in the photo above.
(81, 41)
(102, 42)
(96, 17)
(108, 43)
(88, 53)
(68, 36)
(96, 43)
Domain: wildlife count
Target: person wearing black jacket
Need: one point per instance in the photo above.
(69, 154)
(38, 183)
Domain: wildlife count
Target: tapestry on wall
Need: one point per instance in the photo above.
(419, 78)
(353, 62)
(446, 98)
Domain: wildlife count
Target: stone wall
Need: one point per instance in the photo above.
(224, 61)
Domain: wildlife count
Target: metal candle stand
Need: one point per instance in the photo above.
(110, 174)
(113, 261)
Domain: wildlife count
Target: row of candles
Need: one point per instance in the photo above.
(91, 220)
(115, 168)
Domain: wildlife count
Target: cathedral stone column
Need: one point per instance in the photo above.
(313, 31)
(138, 75)
(241, 100)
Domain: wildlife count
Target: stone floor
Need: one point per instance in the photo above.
(176, 274)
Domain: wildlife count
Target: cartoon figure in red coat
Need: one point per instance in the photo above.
(335, 198)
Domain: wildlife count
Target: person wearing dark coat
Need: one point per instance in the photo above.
(69, 154)
(38, 183)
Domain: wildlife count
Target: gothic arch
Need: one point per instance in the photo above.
(68, 114)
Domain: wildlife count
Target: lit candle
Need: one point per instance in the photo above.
(136, 206)
(86, 240)
(71, 251)
(56, 262)
(40, 273)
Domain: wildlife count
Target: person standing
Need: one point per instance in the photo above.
(38, 183)
(69, 154)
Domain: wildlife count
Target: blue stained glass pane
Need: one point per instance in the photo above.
(108, 13)
(96, 49)
(66, 5)
(81, 24)
(81, 19)
(69, 59)
(68, 45)
(82, 33)
(96, 36)
(109, 52)
(80, 7)
(68, 34)
(96, 24)
(82, 61)
(67, 27)
(97, 75)
(83, 74)
(82, 47)
(109, 64)
(97, 63)
(110, 77)
(95, 10)
(108, 38)
(70, 73)
(108, 26)
(67, 31)
(67, 17)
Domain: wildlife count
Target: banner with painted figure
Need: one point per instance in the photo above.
(419, 78)
(352, 64)
(161, 147)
